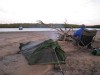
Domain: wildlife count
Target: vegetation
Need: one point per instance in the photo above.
(95, 26)
(37, 25)
(64, 35)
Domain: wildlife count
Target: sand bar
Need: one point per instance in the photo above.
(78, 62)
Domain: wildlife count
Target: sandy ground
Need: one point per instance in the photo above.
(79, 61)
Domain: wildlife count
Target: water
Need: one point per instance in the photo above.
(33, 29)
(25, 29)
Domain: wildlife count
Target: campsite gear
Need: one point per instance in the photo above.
(96, 51)
(43, 52)
(87, 38)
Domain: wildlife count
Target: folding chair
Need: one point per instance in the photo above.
(87, 38)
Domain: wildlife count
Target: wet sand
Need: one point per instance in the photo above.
(78, 61)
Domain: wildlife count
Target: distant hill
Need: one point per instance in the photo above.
(36, 25)
(95, 26)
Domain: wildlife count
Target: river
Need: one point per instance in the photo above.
(34, 29)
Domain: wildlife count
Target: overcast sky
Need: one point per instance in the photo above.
(50, 11)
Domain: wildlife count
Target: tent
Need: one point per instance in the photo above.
(43, 52)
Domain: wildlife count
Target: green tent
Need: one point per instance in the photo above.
(43, 52)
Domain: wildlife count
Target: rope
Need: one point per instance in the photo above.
(58, 63)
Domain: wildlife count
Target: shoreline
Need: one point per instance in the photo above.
(35, 29)
(52, 34)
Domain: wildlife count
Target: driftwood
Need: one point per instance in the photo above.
(63, 34)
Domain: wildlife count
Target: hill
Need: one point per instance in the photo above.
(36, 25)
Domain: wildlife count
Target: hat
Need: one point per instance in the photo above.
(83, 26)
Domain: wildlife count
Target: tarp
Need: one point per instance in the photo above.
(43, 52)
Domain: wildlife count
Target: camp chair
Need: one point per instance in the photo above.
(87, 38)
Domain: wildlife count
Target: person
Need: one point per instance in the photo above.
(78, 36)
(78, 33)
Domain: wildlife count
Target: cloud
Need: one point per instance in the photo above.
(75, 11)
(2, 10)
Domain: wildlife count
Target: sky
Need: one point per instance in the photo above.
(50, 11)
